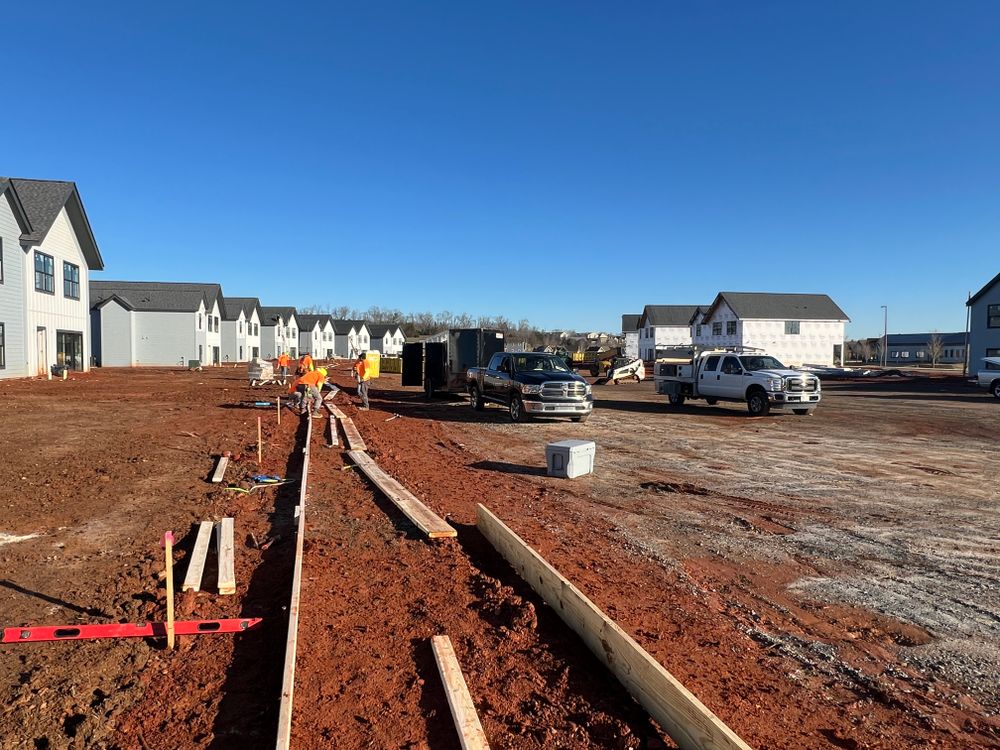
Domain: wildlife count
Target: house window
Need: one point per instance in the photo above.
(3, 348)
(240, 328)
(256, 329)
(71, 281)
(791, 328)
(716, 329)
(993, 316)
(199, 321)
(45, 273)
(697, 330)
(730, 327)
(293, 333)
(992, 353)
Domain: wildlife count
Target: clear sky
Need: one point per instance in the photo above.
(563, 162)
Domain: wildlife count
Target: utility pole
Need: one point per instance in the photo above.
(885, 336)
(968, 326)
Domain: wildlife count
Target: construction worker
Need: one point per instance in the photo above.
(307, 389)
(363, 377)
(283, 362)
(305, 363)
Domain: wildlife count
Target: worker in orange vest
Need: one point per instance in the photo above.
(283, 362)
(305, 363)
(307, 388)
(363, 377)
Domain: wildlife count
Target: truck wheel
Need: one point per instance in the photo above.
(800, 412)
(516, 409)
(757, 403)
(676, 399)
(995, 388)
(711, 401)
(429, 389)
(475, 399)
(581, 419)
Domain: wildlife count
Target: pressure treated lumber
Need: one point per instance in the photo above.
(689, 722)
(334, 442)
(423, 517)
(351, 435)
(220, 469)
(463, 711)
(227, 550)
(192, 579)
(291, 643)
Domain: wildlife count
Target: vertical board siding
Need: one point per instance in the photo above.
(12, 313)
(116, 347)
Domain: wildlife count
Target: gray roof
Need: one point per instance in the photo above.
(771, 306)
(378, 330)
(308, 322)
(630, 322)
(343, 327)
(667, 315)
(922, 339)
(14, 201)
(232, 306)
(269, 313)
(42, 200)
(156, 296)
(989, 285)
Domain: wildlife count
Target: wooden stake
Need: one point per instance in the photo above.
(260, 445)
(279, 409)
(168, 546)
(463, 711)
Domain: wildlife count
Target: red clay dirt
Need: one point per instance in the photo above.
(106, 462)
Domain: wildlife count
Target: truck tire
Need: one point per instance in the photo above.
(581, 419)
(676, 399)
(800, 412)
(428, 389)
(474, 398)
(516, 409)
(995, 388)
(711, 401)
(757, 403)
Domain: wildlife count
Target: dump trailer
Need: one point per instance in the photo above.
(441, 362)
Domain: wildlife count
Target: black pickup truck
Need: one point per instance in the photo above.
(531, 384)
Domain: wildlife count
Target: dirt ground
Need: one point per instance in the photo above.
(819, 582)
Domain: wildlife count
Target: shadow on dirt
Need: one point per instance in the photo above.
(508, 468)
(248, 712)
(89, 611)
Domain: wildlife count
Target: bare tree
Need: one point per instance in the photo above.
(935, 348)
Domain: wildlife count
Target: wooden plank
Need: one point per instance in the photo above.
(334, 440)
(227, 566)
(192, 579)
(335, 411)
(686, 719)
(220, 469)
(423, 517)
(291, 642)
(463, 712)
(352, 437)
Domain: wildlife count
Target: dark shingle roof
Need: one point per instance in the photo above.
(308, 322)
(343, 327)
(630, 322)
(922, 339)
(14, 201)
(156, 296)
(770, 306)
(378, 330)
(989, 285)
(232, 306)
(42, 201)
(269, 313)
(667, 315)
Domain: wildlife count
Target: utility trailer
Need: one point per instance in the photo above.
(441, 362)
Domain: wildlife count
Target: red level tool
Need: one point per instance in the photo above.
(124, 630)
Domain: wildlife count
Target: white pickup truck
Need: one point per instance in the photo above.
(756, 378)
(990, 379)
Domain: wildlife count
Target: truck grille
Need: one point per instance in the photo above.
(799, 385)
(564, 390)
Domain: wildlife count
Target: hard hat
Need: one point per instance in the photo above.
(322, 371)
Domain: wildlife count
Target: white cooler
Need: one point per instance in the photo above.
(570, 458)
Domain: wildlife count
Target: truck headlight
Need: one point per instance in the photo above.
(588, 390)
(776, 384)
(531, 389)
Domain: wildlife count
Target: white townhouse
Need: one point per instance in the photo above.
(984, 326)
(162, 323)
(661, 326)
(316, 335)
(279, 332)
(630, 332)
(351, 337)
(386, 338)
(47, 250)
(798, 329)
(240, 329)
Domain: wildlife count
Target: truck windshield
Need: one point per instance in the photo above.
(539, 363)
(761, 363)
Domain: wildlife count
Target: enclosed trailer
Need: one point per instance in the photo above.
(440, 362)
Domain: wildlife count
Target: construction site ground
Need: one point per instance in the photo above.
(829, 581)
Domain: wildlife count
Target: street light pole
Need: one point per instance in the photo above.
(885, 336)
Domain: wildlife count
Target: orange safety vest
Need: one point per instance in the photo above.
(306, 363)
(283, 360)
(361, 368)
(310, 378)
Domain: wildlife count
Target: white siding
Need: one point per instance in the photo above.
(652, 338)
(234, 338)
(632, 344)
(981, 336)
(253, 339)
(55, 312)
(12, 295)
(117, 332)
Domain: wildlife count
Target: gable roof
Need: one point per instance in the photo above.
(14, 201)
(308, 322)
(156, 296)
(42, 200)
(378, 330)
(989, 285)
(269, 313)
(343, 327)
(233, 306)
(630, 322)
(667, 315)
(772, 306)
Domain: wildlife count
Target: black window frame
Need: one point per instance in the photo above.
(51, 276)
(993, 316)
(717, 328)
(67, 266)
(793, 327)
(730, 327)
(3, 346)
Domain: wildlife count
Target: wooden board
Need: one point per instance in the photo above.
(335, 411)
(686, 719)
(352, 437)
(192, 579)
(334, 441)
(423, 517)
(291, 642)
(227, 566)
(220, 469)
(463, 711)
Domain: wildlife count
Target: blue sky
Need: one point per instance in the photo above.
(563, 162)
